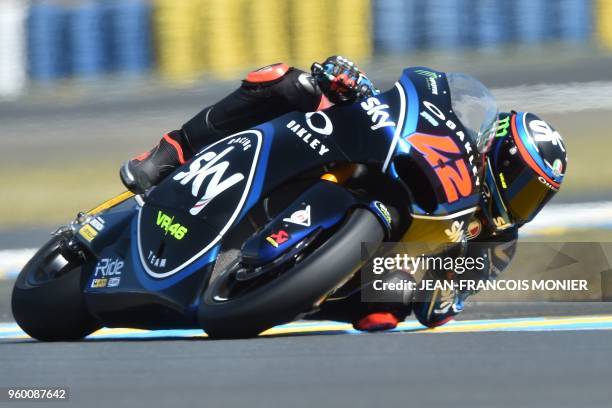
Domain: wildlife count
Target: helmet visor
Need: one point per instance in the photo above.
(526, 195)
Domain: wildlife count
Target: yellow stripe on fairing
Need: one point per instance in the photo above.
(112, 202)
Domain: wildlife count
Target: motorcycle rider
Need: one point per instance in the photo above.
(523, 170)
(265, 94)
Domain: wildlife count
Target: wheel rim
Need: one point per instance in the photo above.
(52, 266)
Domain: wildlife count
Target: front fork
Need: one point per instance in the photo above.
(86, 225)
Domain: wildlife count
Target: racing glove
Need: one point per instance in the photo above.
(435, 307)
(341, 80)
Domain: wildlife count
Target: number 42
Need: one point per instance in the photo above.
(455, 180)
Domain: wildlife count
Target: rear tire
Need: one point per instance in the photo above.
(297, 290)
(48, 301)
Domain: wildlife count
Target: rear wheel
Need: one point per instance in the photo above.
(243, 302)
(48, 302)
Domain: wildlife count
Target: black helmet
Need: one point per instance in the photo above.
(526, 165)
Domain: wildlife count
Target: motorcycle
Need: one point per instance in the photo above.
(264, 226)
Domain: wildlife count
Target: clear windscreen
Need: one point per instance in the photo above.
(475, 107)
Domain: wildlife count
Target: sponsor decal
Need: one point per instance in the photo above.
(542, 132)
(557, 167)
(447, 300)
(383, 211)
(426, 73)
(108, 267)
(300, 217)
(547, 184)
(434, 115)
(452, 173)
(427, 116)
(97, 223)
(113, 282)
(326, 129)
(218, 178)
(502, 179)
(245, 142)
(500, 223)
(88, 232)
(208, 164)
(452, 126)
(155, 261)
(433, 85)
(377, 113)
(455, 232)
(176, 230)
(485, 191)
(306, 137)
(474, 229)
(430, 78)
(399, 128)
(502, 127)
(278, 238)
(99, 283)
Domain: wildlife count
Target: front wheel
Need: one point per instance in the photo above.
(48, 302)
(227, 313)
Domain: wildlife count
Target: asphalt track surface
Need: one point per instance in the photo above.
(485, 369)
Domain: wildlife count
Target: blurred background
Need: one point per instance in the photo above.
(86, 84)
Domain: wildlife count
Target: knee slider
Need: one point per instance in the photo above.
(268, 74)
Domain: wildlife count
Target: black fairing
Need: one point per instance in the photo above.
(260, 160)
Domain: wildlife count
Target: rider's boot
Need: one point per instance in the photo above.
(149, 168)
(265, 94)
(390, 308)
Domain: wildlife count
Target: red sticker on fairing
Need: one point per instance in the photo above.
(278, 238)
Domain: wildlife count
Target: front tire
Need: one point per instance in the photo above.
(48, 302)
(295, 291)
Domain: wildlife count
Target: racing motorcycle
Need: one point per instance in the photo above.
(265, 226)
